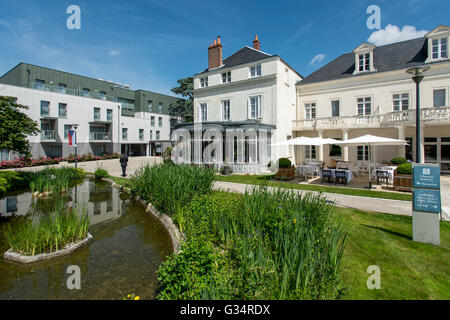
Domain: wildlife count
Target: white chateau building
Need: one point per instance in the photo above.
(366, 91)
(250, 89)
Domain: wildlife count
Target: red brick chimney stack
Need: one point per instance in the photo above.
(215, 54)
(256, 43)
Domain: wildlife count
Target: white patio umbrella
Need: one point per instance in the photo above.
(307, 141)
(371, 141)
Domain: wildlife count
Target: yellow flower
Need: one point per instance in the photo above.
(295, 221)
(136, 298)
(128, 296)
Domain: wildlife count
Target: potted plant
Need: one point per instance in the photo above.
(226, 170)
(398, 161)
(285, 170)
(403, 177)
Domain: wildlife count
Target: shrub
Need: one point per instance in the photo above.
(10, 180)
(284, 163)
(170, 187)
(101, 173)
(51, 232)
(405, 168)
(399, 160)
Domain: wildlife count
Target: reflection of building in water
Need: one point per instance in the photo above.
(101, 200)
(15, 205)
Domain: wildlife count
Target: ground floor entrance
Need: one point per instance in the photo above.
(135, 150)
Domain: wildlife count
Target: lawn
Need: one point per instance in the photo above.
(409, 270)
(267, 179)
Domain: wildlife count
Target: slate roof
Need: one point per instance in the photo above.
(400, 55)
(244, 55)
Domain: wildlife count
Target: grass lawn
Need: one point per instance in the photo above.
(267, 179)
(409, 270)
(119, 180)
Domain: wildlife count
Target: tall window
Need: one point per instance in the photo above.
(62, 110)
(439, 48)
(124, 133)
(335, 108)
(152, 121)
(203, 112)
(61, 88)
(226, 77)
(45, 108)
(160, 107)
(67, 127)
(310, 110)
(204, 82)
(225, 110)
(363, 153)
(255, 107)
(255, 71)
(310, 152)
(141, 134)
(150, 106)
(160, 121)
(439, 98)
(40, 84)
(85, 92)
(96, 113)
(400, 101)
(151, 134)
(364, 106)
(103, 95)
(158, 135)
(109, 115)
(364, 62)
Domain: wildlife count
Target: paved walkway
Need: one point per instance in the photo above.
(342, 200)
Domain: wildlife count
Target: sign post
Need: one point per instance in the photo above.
(426, 203)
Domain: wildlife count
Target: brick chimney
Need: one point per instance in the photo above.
(215, 54)
(256, 43)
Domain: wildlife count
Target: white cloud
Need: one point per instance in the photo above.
(317, 59)
(392, 34)
(113, 53)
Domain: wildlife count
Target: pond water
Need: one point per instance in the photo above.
(128, 247)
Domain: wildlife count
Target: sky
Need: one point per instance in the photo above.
(150, 44)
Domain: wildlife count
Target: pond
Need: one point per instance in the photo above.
(128, 246)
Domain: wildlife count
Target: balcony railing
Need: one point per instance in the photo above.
(48, 135)
(99, 136)
(80, 93)
(374, 121)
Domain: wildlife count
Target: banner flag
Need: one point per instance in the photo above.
(72, 138)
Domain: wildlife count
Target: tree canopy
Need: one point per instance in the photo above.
(15, 126)
(184, 107)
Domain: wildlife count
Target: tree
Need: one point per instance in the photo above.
(184, 107)
(15, 126)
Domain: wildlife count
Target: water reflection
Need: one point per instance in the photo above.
(127, 249)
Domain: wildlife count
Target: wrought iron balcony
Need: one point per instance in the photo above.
(48, 135)
(99, 136)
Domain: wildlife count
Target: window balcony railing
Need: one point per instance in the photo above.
(141, 137)
(125, 136)
(99, 136)
(72, 92)
(45, 112)
(390, 119)
(96, 116)
(48, 135)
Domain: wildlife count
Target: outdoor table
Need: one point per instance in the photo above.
(301, 169)
(389, 169)
(348, 174)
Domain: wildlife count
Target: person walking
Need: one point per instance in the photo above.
(123, 163)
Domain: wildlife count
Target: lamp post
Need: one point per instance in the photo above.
(418, 75)
(75, 127)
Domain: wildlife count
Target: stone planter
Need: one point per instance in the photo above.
(402, 182)
(227, 170)
(285, 174)
(15, 256)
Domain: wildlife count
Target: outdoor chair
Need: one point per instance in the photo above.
(340, 176)
(327, 175)
(309, 170)
(382, 176)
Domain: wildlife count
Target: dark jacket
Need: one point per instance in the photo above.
(123, 161)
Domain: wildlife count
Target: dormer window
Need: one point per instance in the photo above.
(203, 82)
(439, 49)
(364, 61)
(438, 40)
